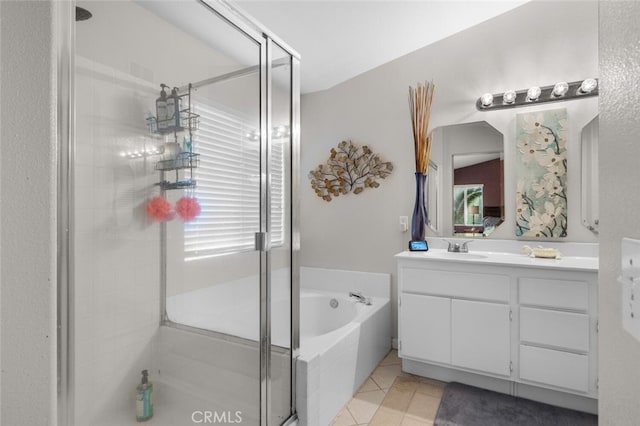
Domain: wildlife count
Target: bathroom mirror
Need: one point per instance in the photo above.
(589, 147)
(432, 195)
(469, 160)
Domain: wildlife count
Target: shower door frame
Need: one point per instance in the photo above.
(65, 30)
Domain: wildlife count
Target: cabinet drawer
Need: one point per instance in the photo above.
(555, 368)
(562, 329)
(562, 294)
(456, 284)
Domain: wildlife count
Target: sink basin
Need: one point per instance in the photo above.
(453, 255)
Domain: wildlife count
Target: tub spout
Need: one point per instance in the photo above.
(361, 298)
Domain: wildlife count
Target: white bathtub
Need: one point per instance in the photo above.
(339, 350)
(339, 347)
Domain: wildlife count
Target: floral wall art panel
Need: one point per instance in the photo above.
(541, 170)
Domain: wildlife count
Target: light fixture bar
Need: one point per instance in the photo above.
(500, 101)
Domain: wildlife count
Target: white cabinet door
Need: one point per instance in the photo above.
(480, 336)
(425, 328)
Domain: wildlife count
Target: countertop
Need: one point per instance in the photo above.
(569, 263)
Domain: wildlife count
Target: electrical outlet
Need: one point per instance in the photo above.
(630, 280)
(404, 223)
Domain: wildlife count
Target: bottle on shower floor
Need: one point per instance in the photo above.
(144, 398)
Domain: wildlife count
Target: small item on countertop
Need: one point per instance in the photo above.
(541, 252)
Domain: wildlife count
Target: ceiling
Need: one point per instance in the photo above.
(338, 40)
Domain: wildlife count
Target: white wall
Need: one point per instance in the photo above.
(539, 43)
(619, 177)
(28, 213)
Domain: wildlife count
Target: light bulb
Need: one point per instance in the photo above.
(533, 93)
(588, 85)
(486, 99)
(509, 97)
(560, 89)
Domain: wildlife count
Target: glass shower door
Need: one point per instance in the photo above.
(176, 287)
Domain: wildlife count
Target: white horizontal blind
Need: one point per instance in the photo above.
(228, 186)
(277, 191)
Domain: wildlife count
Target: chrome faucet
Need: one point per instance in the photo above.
(455, 247)
(361, 298)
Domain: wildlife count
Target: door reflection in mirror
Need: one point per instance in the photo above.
(477, 193)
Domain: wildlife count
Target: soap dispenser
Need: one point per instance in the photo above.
(144, 398)
(162, 113)
(173, 108)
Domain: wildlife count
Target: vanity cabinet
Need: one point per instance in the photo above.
(461, 319)
(526, 325)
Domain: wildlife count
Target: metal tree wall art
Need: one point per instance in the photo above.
(349, 169)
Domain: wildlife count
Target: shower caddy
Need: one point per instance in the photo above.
(186, 160)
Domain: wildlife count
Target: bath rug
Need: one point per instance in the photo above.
(464, 405)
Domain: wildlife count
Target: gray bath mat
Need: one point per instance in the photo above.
(463, 405)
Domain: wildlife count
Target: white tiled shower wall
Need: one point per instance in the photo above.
(116, 251)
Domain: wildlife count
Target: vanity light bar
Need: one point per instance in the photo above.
(561, 91)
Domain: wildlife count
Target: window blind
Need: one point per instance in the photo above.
(228, 186)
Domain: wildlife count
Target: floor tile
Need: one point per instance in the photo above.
(411, 421)
(368, 385)
(390, 397)
(399, 397)
(391, 358)
(423, 407)
(406, 382)
(431, 388)
(384, 375)
(364, 405)
(386, 416)
(344, 418)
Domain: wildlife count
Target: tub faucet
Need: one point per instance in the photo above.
(362, 299)
(459, 247)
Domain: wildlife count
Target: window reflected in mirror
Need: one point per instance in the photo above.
(467, 205)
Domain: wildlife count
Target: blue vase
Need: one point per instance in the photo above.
(419, 218)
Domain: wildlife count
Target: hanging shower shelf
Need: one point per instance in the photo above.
(190, 120)
(184, 160)
(181, 184)
(188, 123)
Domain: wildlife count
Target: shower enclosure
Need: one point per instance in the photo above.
(180, 255)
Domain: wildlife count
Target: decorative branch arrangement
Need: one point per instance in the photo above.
(349, 169)
(420, 101)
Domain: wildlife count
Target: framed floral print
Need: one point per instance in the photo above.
(541, 171)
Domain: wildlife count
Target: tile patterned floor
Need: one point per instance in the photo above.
(390, 397)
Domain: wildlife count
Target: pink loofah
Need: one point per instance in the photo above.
(188, 208)
(159, 209)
